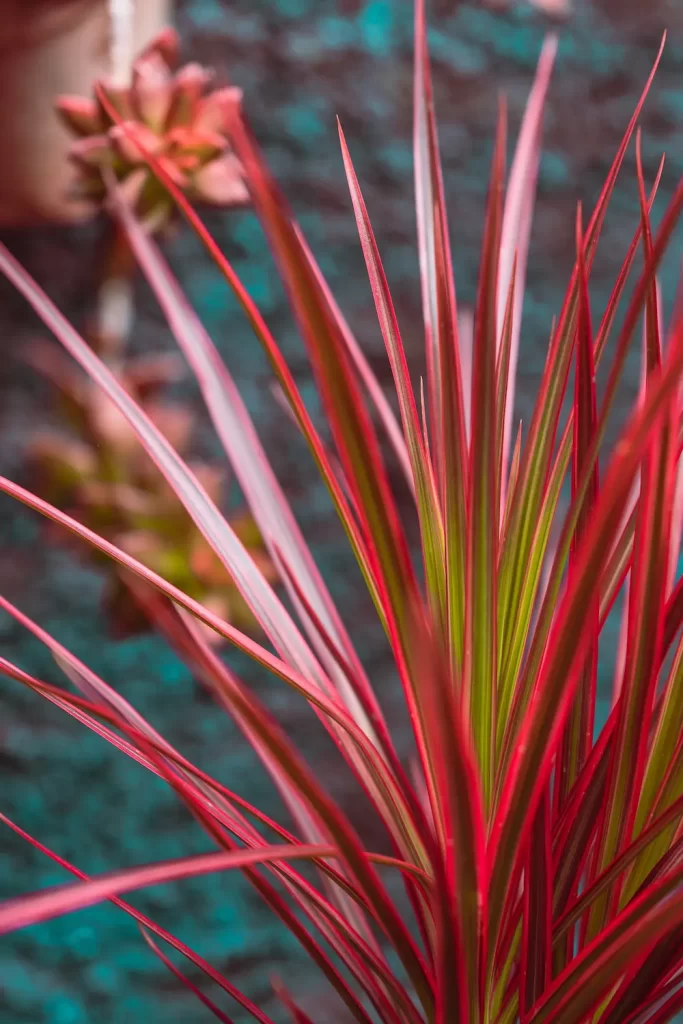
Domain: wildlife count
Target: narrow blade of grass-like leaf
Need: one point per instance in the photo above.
(466, 350)
(425, 202)
(87, 681)
(502, 386)
(512, 481)
(536, 932)
(23, 911)
(516, 233)
(676, 523)
(619, 565)
(454, 439)
(479, 674)
(514, 690)
(652, 325)
(578, 735)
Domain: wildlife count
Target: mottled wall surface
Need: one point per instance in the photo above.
(300, 62)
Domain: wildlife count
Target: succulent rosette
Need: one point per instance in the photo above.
(170, 115)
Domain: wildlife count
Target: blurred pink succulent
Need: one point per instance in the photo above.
(95, 469)
(171, 116)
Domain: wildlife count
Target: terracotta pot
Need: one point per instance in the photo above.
(50, 47)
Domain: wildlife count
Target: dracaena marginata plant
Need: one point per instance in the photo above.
(541, 857)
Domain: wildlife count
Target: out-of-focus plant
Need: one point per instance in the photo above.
(542, 856)
(168, 113)
(93, 466)
(99, 472)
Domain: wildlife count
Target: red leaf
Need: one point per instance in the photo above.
(578, 736)
(481, 637)
(536, 932)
